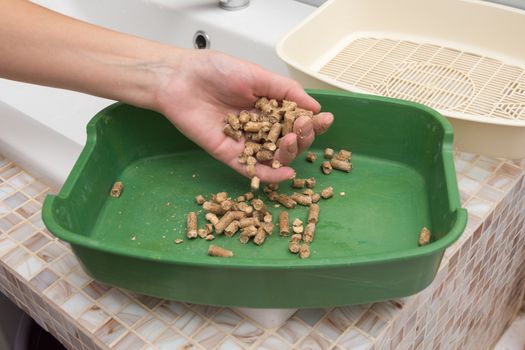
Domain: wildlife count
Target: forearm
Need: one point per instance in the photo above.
(43, 47)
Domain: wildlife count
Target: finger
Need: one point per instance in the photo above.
(322, 122)
(304, 128)
(282, 88)
(288, 149)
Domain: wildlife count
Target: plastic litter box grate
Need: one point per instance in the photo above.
(440, 77)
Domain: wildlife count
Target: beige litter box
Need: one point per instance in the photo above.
(464, 58)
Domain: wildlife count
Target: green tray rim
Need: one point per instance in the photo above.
(246, 263)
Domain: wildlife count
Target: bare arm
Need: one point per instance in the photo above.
(194, 89)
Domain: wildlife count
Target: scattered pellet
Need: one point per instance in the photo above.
(316, 197)
(274, 133)
(327, 192)
(260, 236)
(244, 222)
(209, 228)
(294, 243)
(273, 187)
(191, 225)
(276, 164)
(424, 236)
(227, 205)
(273, 196)
(311, 157)
(344, 155)
(250, 170)
(264, 155)
(227, 219)
(117, 189)
(304, 251)
(268, 217)
(217, 251)
(308, 192)
(268, 227)
(234, 134)
(245, 207)
(313, 213)
(209, 237)
(342, 194)
(200, 199)
(328, 153)
(310, 183)
(284, 226)
(259, 205)
(213, 207)
(341, 165)
(133, 237)
(309, 231)
(302, 199)
(212, 218)
(297, 226)
(233, 120)
(298, 183)
(202, 233)
(286, 201)
(249, 196)
(326, 167)
(255, 183)
(178, 241)
(241, 199)
(232, 228)
(220, 197)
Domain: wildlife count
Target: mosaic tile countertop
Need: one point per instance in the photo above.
(477, 291)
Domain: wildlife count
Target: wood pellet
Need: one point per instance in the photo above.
(116, 189)
(424, 237)
(217, 251)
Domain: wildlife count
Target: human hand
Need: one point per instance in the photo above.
(206, 85)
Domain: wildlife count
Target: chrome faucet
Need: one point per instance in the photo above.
(233, 5)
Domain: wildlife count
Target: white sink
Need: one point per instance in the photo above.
(44, 128)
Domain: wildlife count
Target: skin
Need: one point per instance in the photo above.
(194, 89)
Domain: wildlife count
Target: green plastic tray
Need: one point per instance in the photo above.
(365, 247)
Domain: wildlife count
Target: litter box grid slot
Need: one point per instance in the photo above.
(440, 77)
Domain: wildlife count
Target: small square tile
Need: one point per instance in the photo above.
(114, 300)
(293, 330)
(477, 173)
(75, 305)
(131, 313)
(22, 232)
(59, 292)
(468, 185)
(36, 220)
(30, 267)
(148, 301)
(21, 180)
(354, 340)
(170, 310)
(15, 200)
(6, 244)
(172, 340)
(230, 344)
(65, 264)
(35, 188)
(51, 252)
(44, 279)
(78, 278)
(129, 342)
(209, 336)
(247, 332)
(35, 242)
(9, 221)
(334, 324)
(314, 341)
(150, 327)
(227, 320)
(478, 207)
(371, 324)
(310, 316)
(93, 317)
(110, 331)
(500, 181)
(28, 209)
(273, 342)
(387, 310)
(6, 190)
(96, 289)
(9, 171)
(189, 323)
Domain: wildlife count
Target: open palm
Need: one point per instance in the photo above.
(207, 85)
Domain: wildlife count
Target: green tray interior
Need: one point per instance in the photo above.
(402, 179)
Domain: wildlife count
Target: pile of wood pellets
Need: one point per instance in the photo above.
(263, 130)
